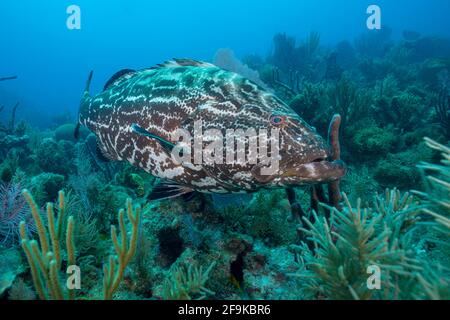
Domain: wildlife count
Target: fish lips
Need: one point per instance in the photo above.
(316, 172)
(313, 172)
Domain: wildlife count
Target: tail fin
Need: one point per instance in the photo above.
(85, 100)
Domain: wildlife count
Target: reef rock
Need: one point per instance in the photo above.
(10, 267)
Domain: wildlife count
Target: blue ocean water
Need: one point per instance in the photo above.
(52, 61)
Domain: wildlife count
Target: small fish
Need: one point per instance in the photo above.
(137, 115)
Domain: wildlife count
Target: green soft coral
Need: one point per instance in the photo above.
(352, 240)
(390, 234)
(372, 141)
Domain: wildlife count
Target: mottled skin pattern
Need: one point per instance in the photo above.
(174, 95)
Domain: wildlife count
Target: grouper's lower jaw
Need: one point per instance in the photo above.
(315, 172)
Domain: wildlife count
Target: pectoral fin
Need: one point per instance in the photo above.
(167, 145)
(102, 155)
(76, 132)
(168, 190)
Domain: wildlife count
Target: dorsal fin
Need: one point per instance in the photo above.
(174, 63)
(118, 76)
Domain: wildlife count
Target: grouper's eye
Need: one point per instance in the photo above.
(277, 120)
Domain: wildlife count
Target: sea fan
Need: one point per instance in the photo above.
(13, 210)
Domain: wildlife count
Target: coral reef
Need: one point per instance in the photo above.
(10, 268)
(21, 291)
(437, 187)
(382, 235)
(226, 59)
(45, 257)
(442, 108)
(114, 269)
(390, 94)
(185, 282)
(13, 210)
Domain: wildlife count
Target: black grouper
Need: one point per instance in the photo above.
(137, 116)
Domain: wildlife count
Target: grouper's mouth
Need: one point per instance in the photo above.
(316, 166)
(318, 171)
